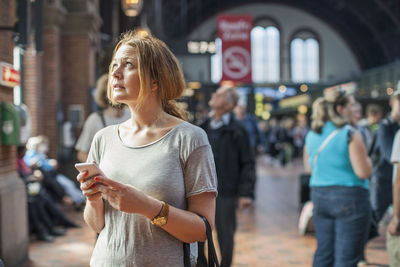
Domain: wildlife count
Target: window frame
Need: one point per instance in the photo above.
(305, 34)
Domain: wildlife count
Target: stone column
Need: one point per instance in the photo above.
(32, 89)
(79, 44)
(14, 239)
(54, 15)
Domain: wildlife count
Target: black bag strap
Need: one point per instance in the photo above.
(186, 255)
(212, 255)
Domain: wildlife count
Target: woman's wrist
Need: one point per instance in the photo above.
(152, 208)
(98, 203)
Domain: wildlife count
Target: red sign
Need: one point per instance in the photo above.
(9, 76)
(234, 31)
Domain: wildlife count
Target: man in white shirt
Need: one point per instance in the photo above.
(393, 230)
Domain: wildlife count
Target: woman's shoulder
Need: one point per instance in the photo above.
(312, 134)
(106, 132)
(190, 137)
(192, 131)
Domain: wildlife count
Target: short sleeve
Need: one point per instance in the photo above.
(199, 172)
(395, 158)
(94, 152)
(92, 125)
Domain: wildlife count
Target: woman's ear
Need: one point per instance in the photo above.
(154, 86)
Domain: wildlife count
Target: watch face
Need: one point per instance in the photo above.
(160, 221)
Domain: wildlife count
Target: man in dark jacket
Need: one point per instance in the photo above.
(235, 166)
(381, 180)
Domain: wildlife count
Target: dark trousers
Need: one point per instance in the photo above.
(381, 195)
(39, 220)
(225, 221)
(341, 217)
(52, 209)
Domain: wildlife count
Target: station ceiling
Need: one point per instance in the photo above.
(370, 27)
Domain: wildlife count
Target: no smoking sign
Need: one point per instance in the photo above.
(236, 62)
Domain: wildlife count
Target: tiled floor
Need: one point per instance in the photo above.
(267, 233)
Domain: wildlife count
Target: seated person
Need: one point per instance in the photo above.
(43, 214)
(36, 157)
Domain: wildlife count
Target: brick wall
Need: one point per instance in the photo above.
(75, 76)
(79, 42)
(42, 87)
(32, 90)
(51, 86)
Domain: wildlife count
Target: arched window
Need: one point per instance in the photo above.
(265, 54)
(304, 60)
(216, 62)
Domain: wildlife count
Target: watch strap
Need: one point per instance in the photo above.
(162, 216)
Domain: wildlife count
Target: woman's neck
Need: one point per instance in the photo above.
(146, 117)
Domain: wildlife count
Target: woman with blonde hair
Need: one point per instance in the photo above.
(335, 155)
(160, 169)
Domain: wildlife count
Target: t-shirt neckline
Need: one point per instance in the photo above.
(151, 143)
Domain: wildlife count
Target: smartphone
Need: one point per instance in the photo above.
(92, 169)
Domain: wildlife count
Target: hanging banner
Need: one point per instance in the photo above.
(234, 32)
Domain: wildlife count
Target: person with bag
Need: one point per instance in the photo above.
(107, 115)
(234, 160)
(160, 172)
(381, 179)
(337, 159)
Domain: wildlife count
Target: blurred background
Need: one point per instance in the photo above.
(53, 51)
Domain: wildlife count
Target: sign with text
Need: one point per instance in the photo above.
(9, 76)
(234, 31)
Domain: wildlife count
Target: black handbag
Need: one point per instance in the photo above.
(201, 260)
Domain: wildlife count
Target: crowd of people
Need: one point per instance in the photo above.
(46, 189)
(351, 166)
(162, 175)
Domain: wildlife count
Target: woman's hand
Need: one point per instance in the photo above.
(120, 196)
(89, 187)
(94, 209)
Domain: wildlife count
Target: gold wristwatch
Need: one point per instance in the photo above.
(162, 217)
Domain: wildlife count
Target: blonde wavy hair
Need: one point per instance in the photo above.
(156, 63)
(100, 95)
(325, 109)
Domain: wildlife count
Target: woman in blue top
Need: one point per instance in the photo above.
(339, 188)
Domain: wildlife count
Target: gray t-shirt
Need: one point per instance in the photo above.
(171, 169)
(395, 158)
(93, 124)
